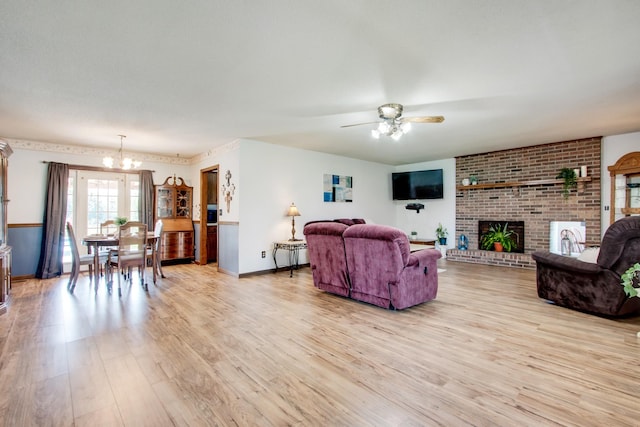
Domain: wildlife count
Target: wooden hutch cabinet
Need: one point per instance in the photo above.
(5, 251)
(625, 186)
(174, 205)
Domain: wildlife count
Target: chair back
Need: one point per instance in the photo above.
(157, 232)
(376, 257)
(620, 248)
(132, 239)
(75, 253)
(108, 227)
(327, 257)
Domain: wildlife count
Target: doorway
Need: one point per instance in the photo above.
(208, 215)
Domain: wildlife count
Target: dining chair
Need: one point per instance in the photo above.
(155, 262)
(131, 252)
(78, 260)
(108, 227)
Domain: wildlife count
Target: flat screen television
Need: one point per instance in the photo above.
(417, 185)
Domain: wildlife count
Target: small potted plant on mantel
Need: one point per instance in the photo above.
(441, 234)
(570, 180)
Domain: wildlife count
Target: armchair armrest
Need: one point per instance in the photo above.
(423, 256)
(566, 263)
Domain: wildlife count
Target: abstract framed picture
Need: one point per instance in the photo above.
(337, 188)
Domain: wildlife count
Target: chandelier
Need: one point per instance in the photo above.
(125, 162)
(391, 125)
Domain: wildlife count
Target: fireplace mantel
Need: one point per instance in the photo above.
(581, 183)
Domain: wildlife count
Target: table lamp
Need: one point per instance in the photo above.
(293, 213)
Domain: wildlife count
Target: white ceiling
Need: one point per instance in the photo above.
(185, 77)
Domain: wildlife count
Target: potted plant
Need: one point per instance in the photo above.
(570, 180)
(441, 234)
(414, 235)
(630, 278)
(497, 238)
(120, 220)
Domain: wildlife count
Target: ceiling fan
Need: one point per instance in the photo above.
(393, 124)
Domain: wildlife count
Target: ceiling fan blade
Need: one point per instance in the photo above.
(425, 119)
(359, 124)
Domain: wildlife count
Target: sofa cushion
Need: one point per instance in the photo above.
(589, 255)
(382, 232)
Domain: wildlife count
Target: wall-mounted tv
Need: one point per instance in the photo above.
(417, 185)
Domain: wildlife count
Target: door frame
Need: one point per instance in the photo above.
(203, 211)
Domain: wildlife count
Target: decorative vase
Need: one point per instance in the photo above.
(442, 241)
(463, 243)
(497, 246)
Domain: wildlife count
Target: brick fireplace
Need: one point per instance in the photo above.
(520, 185)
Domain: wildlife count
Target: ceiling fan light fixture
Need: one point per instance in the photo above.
(390, 111)
(392, 124)
(384, 128)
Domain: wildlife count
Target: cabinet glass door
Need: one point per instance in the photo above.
(165, 203)
(183, 203)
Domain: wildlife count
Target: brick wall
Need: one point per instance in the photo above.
(536, 205)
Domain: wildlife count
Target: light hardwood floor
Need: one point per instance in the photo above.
(202, 348)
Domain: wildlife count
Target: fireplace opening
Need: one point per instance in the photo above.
(517, 227)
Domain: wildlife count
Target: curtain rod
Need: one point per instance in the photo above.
(98, 168)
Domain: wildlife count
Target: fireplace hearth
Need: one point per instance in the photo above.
(517, 227)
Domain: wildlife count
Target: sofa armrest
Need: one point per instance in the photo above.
(423, 256)
(566, 263)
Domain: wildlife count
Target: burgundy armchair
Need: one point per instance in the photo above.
(384, 272)
(327, 259)
(593, 287)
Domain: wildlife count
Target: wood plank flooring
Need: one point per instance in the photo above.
(202, 348)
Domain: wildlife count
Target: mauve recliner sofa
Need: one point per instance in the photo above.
(371, 263)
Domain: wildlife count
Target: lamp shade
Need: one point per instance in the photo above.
(293, 210)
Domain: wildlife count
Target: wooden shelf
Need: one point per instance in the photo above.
(630, 211)
(581, 182)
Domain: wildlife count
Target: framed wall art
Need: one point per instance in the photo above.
(337, 188)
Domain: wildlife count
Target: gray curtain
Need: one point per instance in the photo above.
(53, 227)
(146, 198)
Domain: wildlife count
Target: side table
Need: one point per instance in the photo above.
(428, 242)
(293, 247)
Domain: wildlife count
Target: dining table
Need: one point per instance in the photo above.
(94, 242)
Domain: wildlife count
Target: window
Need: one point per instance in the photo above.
(94, 197)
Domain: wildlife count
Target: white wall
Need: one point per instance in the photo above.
(27, 178)
(227, 159)
(273, 176)
(435, 211)
(613, 147)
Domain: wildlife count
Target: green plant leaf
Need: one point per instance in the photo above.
(629, 278)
